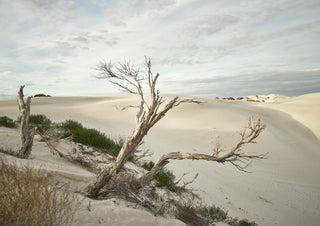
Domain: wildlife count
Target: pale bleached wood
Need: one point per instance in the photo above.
(26, 135)
(235, 156)
(129, 80)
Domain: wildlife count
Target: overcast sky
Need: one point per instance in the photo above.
(199, 47)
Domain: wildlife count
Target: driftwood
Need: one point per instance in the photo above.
(26, 135)
(149, 113)
(235, 156)
(53, 150)
(129, 80)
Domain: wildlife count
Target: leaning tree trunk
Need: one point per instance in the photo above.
(129, 80)
(26, 135)
(114, 167)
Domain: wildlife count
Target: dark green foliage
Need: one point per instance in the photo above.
(91, 137)
(164, 178)
(215, 213)
(41, 95)
(71, 125)
(7, 122)
(243, 222)
(148, 165)
(42, 122)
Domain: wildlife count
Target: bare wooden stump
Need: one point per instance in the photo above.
(26, 135)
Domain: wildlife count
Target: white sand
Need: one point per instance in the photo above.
(281, 190)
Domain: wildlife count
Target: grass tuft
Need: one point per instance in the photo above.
(27, 197)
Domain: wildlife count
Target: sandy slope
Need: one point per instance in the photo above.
(281, 190)
(305, 109)
(102, 212)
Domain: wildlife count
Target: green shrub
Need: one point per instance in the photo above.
(243, 222)
(164, 178)
(215, 213)
(28, 197)
(42, 122)
(90, 137)
(148, 165)
(70, 125)
(7, 122)
(41, 95)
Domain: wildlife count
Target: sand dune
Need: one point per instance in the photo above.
(281, 190)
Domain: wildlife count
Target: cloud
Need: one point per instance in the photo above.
(159, 4)
(54, 42)
(100, 3)
(4, 74)
(209, 24)
(285, 83)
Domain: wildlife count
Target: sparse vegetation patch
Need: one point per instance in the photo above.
(164, 178)
(27, 197)
(7, 122)
(41, 95)
(90, 137)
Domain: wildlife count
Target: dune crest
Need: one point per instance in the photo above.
(281, 190)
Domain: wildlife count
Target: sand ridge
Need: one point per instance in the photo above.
(281, 190)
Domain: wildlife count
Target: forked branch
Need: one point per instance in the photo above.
(235, 156)
(129, 80)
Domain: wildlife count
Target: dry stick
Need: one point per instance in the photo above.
(53, 149)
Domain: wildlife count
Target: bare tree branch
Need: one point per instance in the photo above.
(129, 80)
(235, 156)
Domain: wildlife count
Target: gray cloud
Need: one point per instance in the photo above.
(288, 83)
(209, 24)
(159, 4)
(100, 3)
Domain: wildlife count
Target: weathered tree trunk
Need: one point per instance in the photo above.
(129, 80)
(26, 135)
(115, 167)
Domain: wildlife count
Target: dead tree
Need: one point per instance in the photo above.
(235, 156)
(129, 80)
(26, 135)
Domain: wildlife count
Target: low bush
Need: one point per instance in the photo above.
(148, 165)
(237, 222)
(27, 197)
(42, 122)
(41, 95)
(217, 214)
(7, 122)
(164, 178)
(91, 137)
